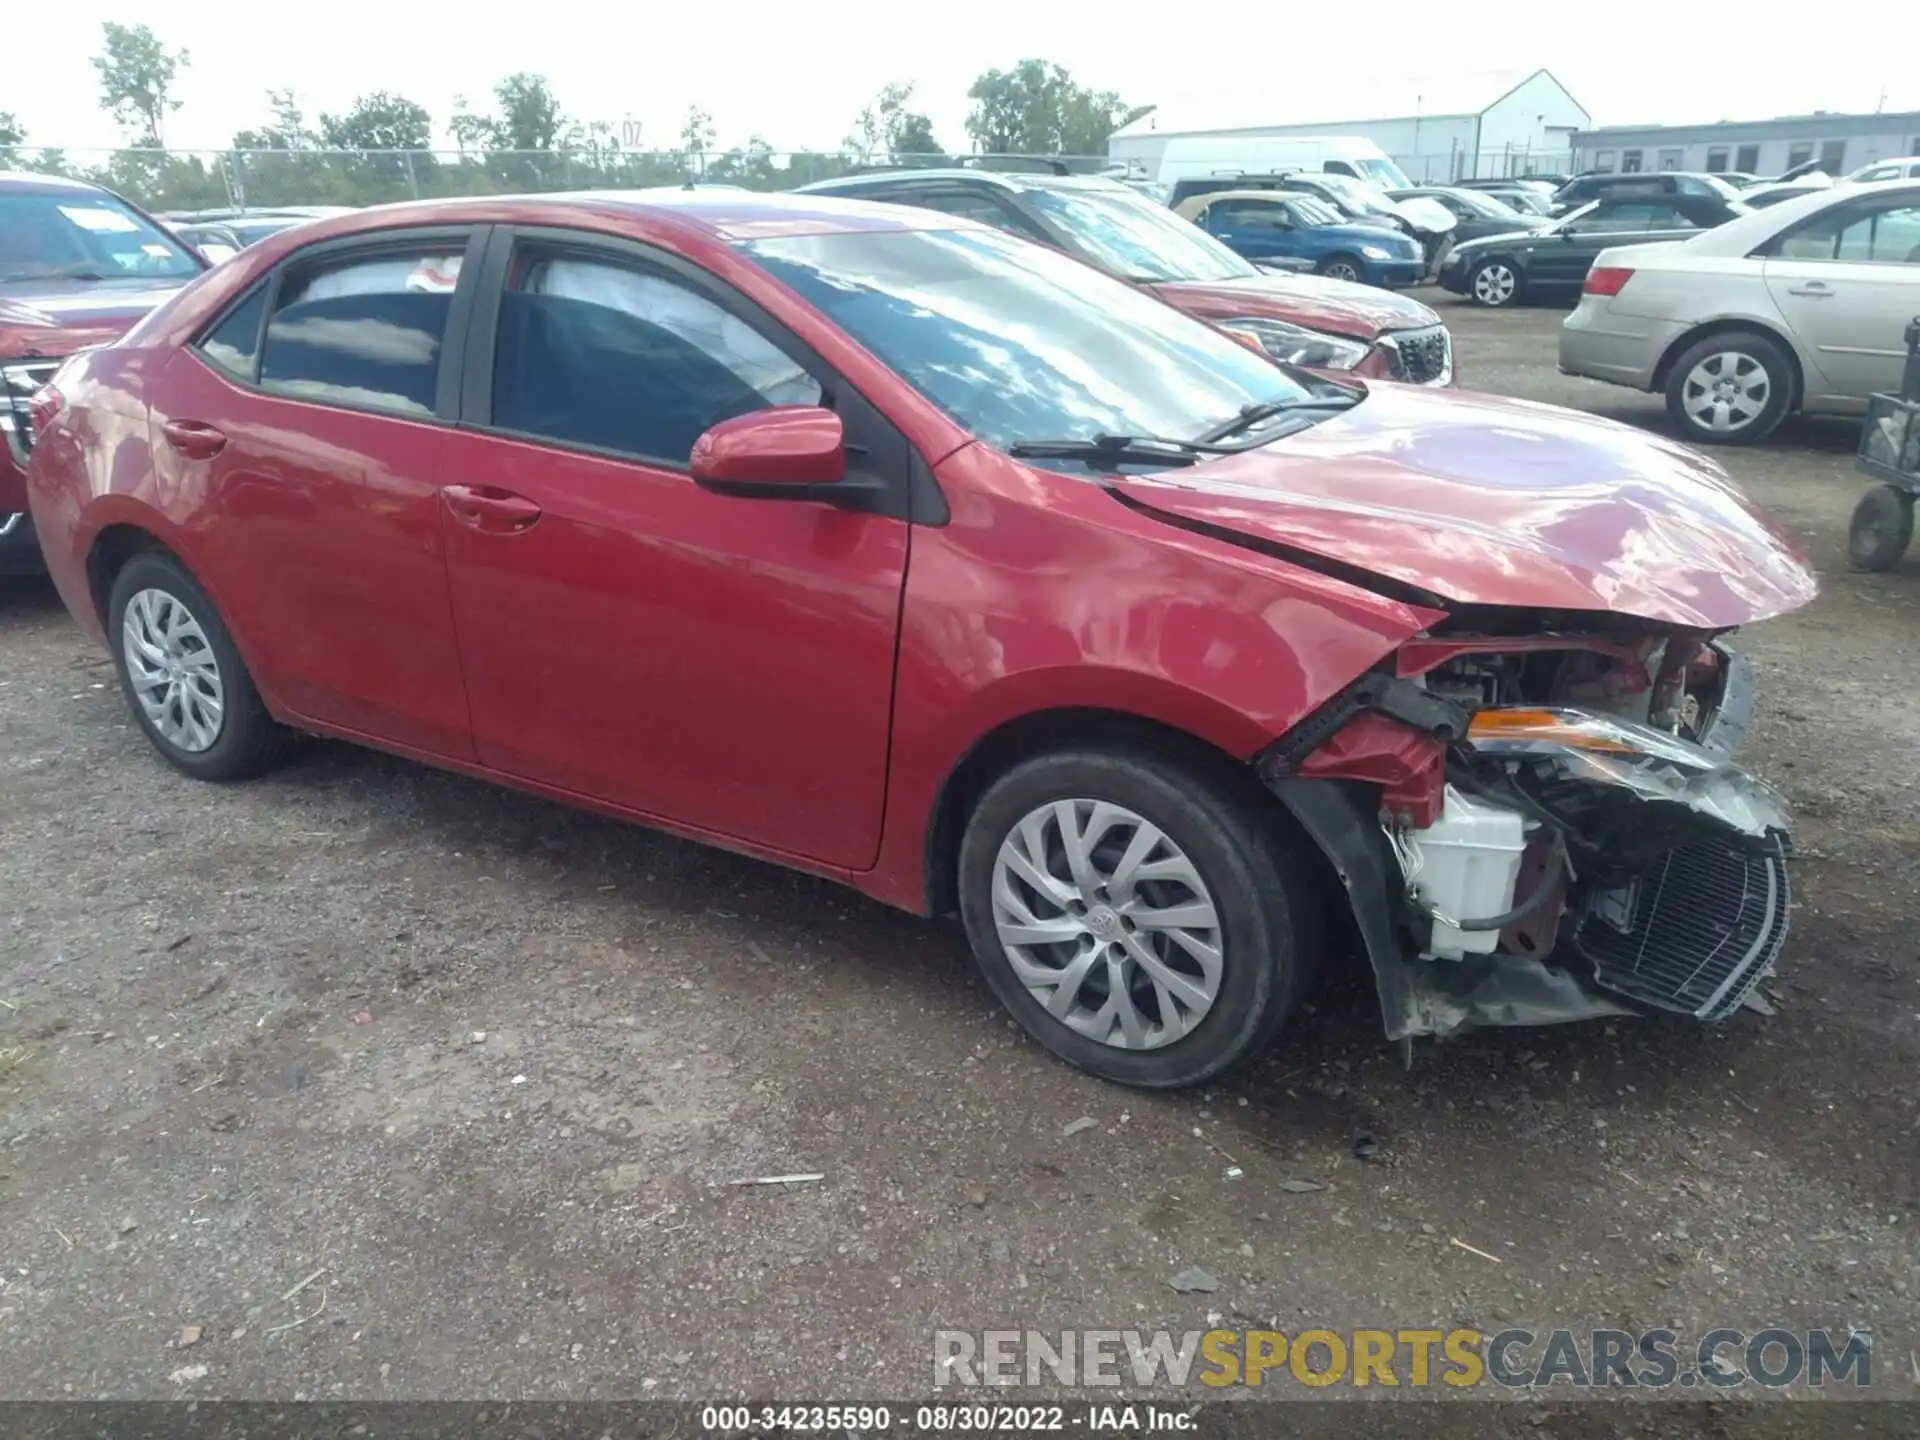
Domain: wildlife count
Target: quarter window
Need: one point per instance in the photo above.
(618, 357)
(234, 344)
(365, 332)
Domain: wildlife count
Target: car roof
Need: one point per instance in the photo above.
(18, 182)
(725, 215)
(1011, 180)
(1201, 201)
(1740, 235)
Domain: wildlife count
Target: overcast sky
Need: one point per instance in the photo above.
(798, 73)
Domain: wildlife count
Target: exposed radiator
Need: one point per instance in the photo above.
(1696, 933)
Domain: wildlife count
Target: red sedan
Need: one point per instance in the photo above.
(892, 548)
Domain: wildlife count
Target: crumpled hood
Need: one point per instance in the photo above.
(57, 317)
(1488, 501)
(1362, 311)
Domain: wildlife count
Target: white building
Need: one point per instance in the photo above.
(1450, 127)
(1841, 143)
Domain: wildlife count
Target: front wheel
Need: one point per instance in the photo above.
(1342, 267)
(1495, 283)
(1145, 919)
(1881, 529)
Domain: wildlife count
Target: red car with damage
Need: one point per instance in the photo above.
(882, 545)
(78, 265)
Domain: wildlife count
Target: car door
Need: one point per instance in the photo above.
(312, 415)
(1847, 281)
(1564, 257)
(721, 663)
(1256, 229)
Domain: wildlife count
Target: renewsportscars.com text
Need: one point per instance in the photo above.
(1461, 1359)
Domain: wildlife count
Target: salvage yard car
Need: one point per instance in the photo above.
(1266, 224)
(1803, 307)
(887, 546)
(1324, 323)
(78, 265)
(1551, 261)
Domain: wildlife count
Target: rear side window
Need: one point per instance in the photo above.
(617, 357)
(234, 344)
(365, 332)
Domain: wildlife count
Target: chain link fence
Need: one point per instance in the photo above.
(172, 180)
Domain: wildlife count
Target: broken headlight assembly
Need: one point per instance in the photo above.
(1572, 834)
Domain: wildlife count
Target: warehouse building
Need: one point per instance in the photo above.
(1841, 143)
(1450, 127)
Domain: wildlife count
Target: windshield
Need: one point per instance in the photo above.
(84, 236)
(1486, 206)
(1136, 239)
(1384, 173)
(1356, 193)
(1018, 342)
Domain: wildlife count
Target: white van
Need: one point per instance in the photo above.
(1193, 157)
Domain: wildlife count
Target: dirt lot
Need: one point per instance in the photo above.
(475, 1068)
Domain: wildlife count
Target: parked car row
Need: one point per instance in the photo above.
(938, 552)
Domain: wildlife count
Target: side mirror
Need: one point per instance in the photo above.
(790, 452)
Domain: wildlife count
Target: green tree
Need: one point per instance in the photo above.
(529, 116)
(887, 130)
(136, 81)
(12, 132)
(696, 138)
(1036, 108)
(288, 131)
(379, 121)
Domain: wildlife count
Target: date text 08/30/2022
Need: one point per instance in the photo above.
(943, 1419)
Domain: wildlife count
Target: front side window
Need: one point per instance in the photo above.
(365, 332)
(85, 236)
(1135, 239)
(1017, 342)
(618, 357)
(1636, 215)
(967, 204)
(1249, 215)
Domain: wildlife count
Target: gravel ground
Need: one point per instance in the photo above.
(398, 1086)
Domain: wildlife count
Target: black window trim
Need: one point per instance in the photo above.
(453, 347)
(915, 497)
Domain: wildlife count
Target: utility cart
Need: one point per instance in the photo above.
(1882, 523)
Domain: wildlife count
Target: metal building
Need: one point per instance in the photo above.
(1841, 143)
(1441, 127)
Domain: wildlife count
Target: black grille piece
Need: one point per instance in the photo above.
(1696, 933)
(18, 380)
(1422, 357)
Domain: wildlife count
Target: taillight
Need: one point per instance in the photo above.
(1607, 279)
(44, 407)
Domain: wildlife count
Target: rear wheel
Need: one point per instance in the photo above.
(1342, 267)
(1146, 919)
(1881, 529)
(1730, 389)
(1495, 283)
(182, 675)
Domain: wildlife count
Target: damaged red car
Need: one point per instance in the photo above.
(898, 550)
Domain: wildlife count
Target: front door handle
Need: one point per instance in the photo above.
(487, 507)
(1813, 289)
(193, 438)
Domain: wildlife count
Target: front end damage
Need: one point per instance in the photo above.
(1541, 827)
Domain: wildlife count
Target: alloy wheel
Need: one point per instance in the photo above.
(1726, 392)
(173, 670)
(1342, 270)
(1108, 924)
(1494, 284)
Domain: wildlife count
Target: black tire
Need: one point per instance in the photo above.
(1747, 347)
(1485, 285)
(1244, 851)
(248, 740)
(1343, 267)
(1881, 529)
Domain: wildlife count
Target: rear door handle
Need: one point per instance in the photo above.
(193, 438)
(1813, 289)
(486, 507)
